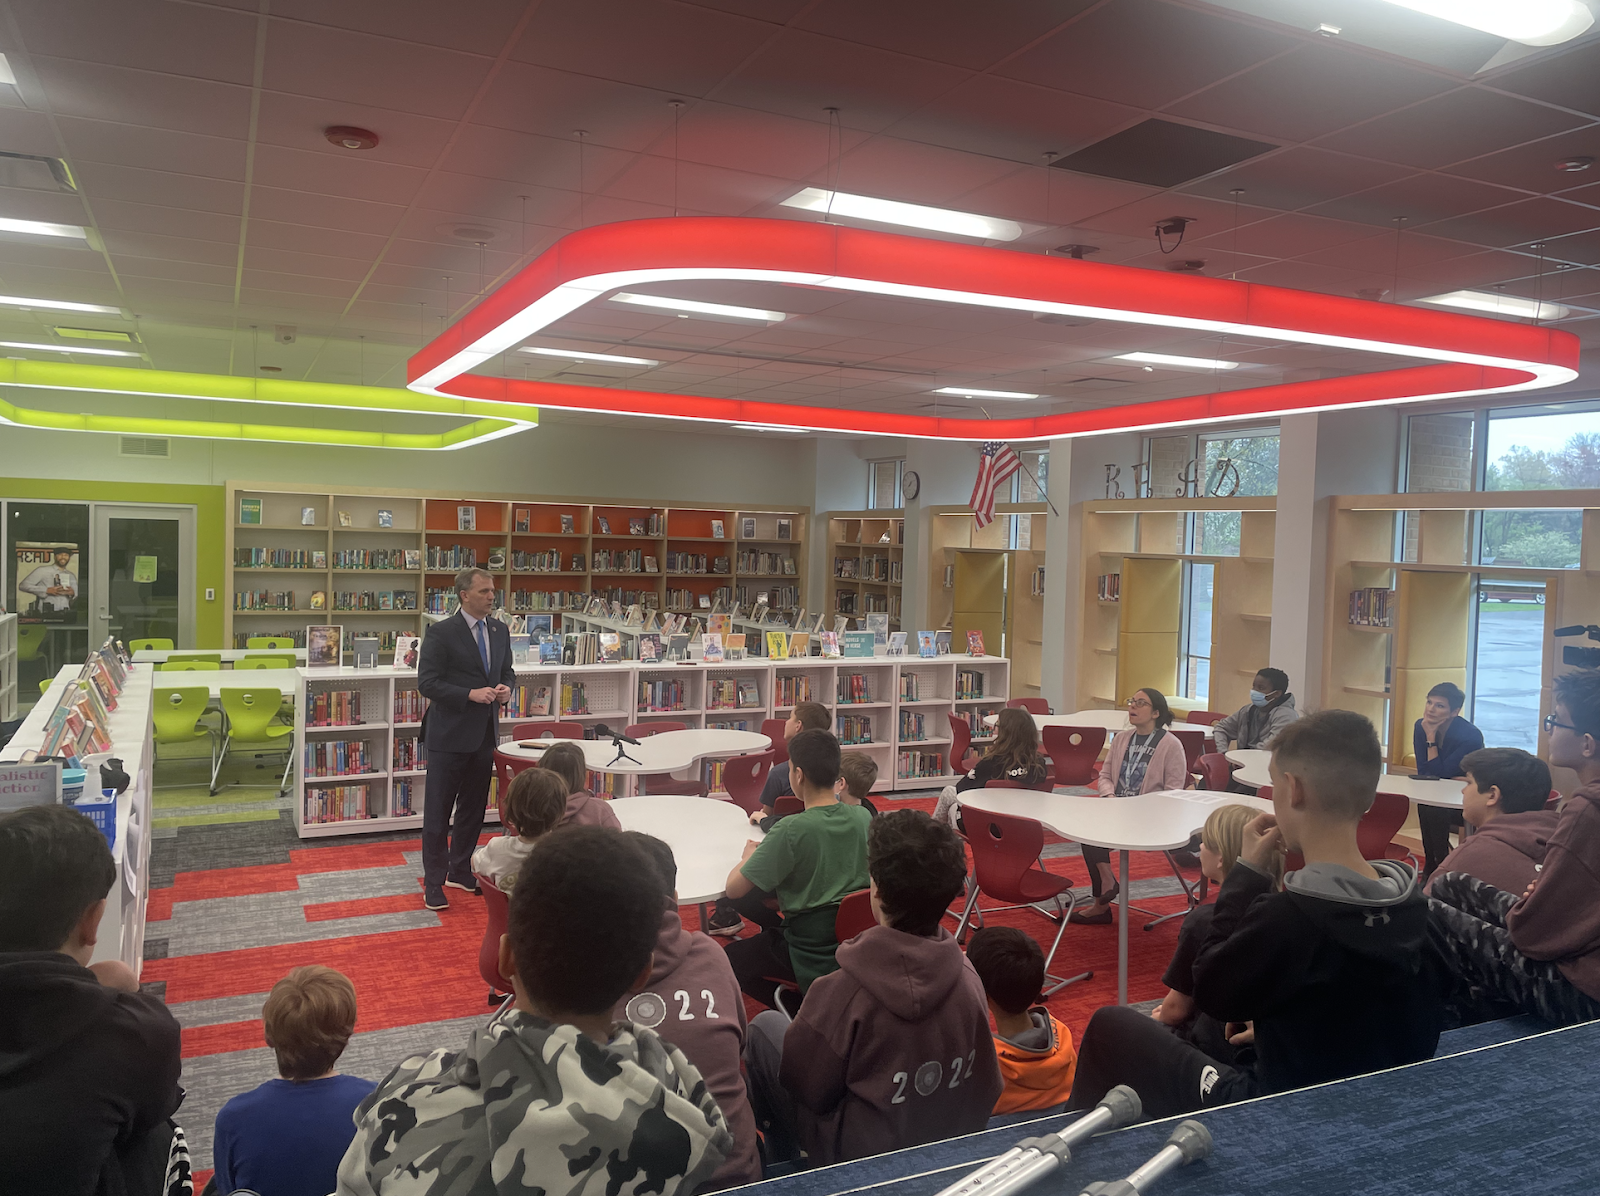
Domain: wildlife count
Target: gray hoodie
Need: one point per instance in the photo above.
(1254, 726)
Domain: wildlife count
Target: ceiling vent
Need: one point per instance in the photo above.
(1162, 153)
(146, 446)
(35, 172)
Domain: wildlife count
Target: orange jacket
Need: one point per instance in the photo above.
(1036, 1079)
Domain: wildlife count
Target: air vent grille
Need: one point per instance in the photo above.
(146, 446)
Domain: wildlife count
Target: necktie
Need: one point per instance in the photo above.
(483, 648)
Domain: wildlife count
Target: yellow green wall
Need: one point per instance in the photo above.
(209, 534)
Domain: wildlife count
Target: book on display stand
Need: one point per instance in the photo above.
(323, 643)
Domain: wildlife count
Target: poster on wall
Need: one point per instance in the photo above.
(47, 579)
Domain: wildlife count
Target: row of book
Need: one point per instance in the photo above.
(377, 641)
(699, 562)
(375, 600)
(405, 791)
(645, 598)
(377, 558)
(844, 601)
(847, 568)
(663, 695)
(791, 689)
(625, 560)
(1036, 582)
(277, 558)
(529, 701)
(909, 690)
(295, 635)
(540, 600)
(974, 717)
(338, 757)
(764, 563)
(969, 683)
(688, 600)
(880, 604)
(1372, 607)
(729, 693)
(522, 522)
(731, 724)
(1110, 587)
(543, 562)
(913, 725)
(408, 706)
(776, 597)
(855, 728)
(264, 600)
(881, 568)
(457, 556)
(909, 765)
(81, 722)
(853, 688)
(444, 601)
(410, 753)
(333, 708)
(343, 803)
(574, 699)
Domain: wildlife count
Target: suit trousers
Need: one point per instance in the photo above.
(452, 812)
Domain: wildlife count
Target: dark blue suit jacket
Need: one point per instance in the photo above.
(448, 669)
(1460, 738)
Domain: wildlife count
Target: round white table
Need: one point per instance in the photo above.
(707, 838)
(668, 751)
(1444, 794)
(1112, 720)
(1160, 821)
(1252, 762)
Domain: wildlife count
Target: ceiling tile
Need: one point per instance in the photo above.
(192, 40)
(153, 149)
(941, 30)
(1461, 124)
(180, 249)
(26, 203)
(339, 66)
(297, 122)
(26, 132)
(311, 265)
(346, 174)
(1420, 199)
(131, 269)
(323, 211)
(485, 33)
(1297, 178)
(1565, 77)
(272, 234)
(184, 191)
(1520, 223)
(892, 168)
(761, 142)
(167, 222)
(536, 99)
(1531, 167)
(137, 97)
(1144, 53)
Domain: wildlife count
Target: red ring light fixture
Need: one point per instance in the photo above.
(1466, 355)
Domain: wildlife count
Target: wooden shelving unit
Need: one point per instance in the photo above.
(866, 572)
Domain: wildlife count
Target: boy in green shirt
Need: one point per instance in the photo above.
(810, 861)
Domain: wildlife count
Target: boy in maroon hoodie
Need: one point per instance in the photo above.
(1503, 801)
(1540, 950)
(693, 1001)
(893, 1049)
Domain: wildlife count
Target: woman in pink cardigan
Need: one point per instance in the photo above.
(1142, 759)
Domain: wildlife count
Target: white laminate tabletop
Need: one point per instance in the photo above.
(1160, 821)
(707, 837)
(229, 655)
(668, 751)
(1444, 793)
(1112, 720)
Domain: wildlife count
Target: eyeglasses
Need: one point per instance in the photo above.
(1132, 702)
(1550, 724)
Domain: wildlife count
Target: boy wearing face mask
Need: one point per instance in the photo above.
(1271, 709)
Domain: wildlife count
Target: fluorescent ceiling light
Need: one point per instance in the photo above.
(1193, 363)
(1500, 305)
(968, 392)
(58, 305)
(911, 215)
(95, 334)
(69, 349)
(1530, 22)
(41, 228)
(610, 358)
(769, 428)
(695, 307)
(7, 75)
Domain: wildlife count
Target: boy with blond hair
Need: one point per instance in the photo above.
(858, 773)
(534, 804)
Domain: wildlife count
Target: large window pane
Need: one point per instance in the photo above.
(1196, 681)
(1240, 465)
(1553, 448)
(1505, 697)
(1036, 487)
(883, 489)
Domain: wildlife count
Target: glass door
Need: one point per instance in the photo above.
(142, 585)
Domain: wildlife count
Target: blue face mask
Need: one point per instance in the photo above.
(1257, 698)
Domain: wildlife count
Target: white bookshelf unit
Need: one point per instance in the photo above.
(8, 668)
(386, 794)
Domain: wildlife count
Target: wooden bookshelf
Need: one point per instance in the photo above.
(866, 572)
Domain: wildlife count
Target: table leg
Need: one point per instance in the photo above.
(1122, 928)
(705, 917)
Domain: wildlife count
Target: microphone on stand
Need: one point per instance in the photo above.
(604, 732)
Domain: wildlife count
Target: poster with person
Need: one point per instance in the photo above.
(47, 579)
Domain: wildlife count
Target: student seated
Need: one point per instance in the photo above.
(727, 919)
(810, 860)
(893, 1049)
(88, 1064)
(693, 1001)
(1336, 973)
(583, 807)
(1013, 755)
(858, 773)
(534, 804)
(1440, 741)
(1539, 950)
(1503, 801)
(1033, 1049)
(1271, 709)
(308, 1018)
(552, 1094)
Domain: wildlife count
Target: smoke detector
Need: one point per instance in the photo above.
(1187, 266)
(349, 137)
(472, 234)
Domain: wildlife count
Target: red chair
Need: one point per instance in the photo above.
(772, 728)
(1074, 753)
(1005, 852)
(657, 783)
(553, 730)
(787, 805)
(1378, 826)
(744, 777)
(1215, 771)
(960, 743)
(1031, 705)
(505, 768)
(1553, 802)
(855, 915)
(497, 906)
(1194, 746)
(1203, 718)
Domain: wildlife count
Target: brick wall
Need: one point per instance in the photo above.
(1439, 459)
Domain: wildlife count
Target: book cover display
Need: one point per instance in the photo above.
(777, 645)
(322, 645)
(407, 650)
(47, 579)
(249, 510)
(711, 648)
(927, 645)
(830, 643)
(974, 643)
(897, 643)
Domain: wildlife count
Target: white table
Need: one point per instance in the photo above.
(285, 681)
(1445, 794)
(1160, 821)
(1252, 762)
(707, 838)
(229, 655)
(667, 751)
(1112, 720)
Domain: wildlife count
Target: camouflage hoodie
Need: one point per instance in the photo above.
(531, 1106)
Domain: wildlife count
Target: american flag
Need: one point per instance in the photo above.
(996, 464)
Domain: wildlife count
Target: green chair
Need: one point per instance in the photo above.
(30, 638)
(263, 662)
(191, 666)
(177, 712)
(44, 686)
(250, 713)
(158, 645)
(269, 641)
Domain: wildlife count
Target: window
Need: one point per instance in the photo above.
(1194, 679)
(883, 484)
(1031, 483)
(1212, 465)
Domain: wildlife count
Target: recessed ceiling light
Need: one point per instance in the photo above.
(94, 334)
(1530, 22)
(351, 138)
(1193, 363)
(688, 307)
(612, 358)
(1500, 305)
(41, 228)
(1573, 165)
(769, 428)
(69, 349)
(98, 309)
(910, 215)
(1328, 30)
(968, 392)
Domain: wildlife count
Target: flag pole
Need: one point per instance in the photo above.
(1023, 465)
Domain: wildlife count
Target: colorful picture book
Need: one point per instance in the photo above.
(610, 647)
(830, 643)
(927, 645)
(649, 647)
(249, 510)
(974, 643)
(322, 646)
(407, 651)
(777, 645)
(711, 648)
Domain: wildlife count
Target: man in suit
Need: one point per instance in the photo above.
(465, 673)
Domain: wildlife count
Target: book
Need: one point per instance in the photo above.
(319, 558)
(711, 648)
(636, 527)
(777, 645)
(322, 646)
(605, 524)
(385, 517)
(366, 651)
(941, 642)
(704, 602)
(649, 647)
(877, 622)
(541, 624)
(521, 519)
(974, 643)
(748, 529)
(719, 623)
(733, 646)
(749, 694)
(677, 647)
(716, 529)
(385, 599)
(319, 600)
(308, 516)
(249, 510)
(785, 529)
(466, 519)
(567, 525)
(413, 559)
(857, 643)
(344, 518)
(521, 648)
(926, 644)
(610, 647)
(897, 643)
(800, 644)
(830, 644)
(407, 651)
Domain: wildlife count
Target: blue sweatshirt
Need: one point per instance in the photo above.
(255, 1128)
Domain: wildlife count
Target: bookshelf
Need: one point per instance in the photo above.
(866, 572)
(547, 556)
(8, 668)
(905, 701)
(1132, 639)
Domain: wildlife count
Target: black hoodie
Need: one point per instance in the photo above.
(1336, 971)
(86, 1072)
